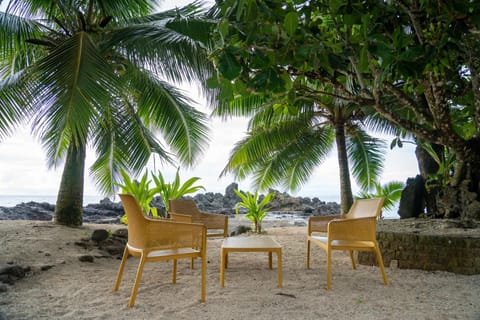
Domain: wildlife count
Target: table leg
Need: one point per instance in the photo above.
(270, 259)
(279, 265)
(223, 262)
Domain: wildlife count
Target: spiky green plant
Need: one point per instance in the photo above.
(141, 191)
(175, 189)
(256, 210)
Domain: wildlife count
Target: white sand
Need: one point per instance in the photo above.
(80, 290)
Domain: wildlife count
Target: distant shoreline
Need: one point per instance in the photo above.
(13, 200)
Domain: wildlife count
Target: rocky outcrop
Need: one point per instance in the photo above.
(412, 201)
(281, 203)
(108, 211)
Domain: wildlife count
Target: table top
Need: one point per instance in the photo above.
(262, 242)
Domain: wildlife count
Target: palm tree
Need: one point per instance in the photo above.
(101, 73)
(285, 142)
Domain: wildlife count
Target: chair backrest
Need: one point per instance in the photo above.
(364, 208)
(184, 206)
(137, 225)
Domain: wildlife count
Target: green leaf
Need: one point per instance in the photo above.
(290, 23)
(212, 83)
(229, 66)
(364, 60)
(223, 28)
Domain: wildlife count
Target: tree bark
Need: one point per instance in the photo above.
(346, 196)
(69, 207)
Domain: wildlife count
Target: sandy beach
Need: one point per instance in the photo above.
(70, 289)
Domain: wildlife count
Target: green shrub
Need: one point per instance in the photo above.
(141, 191)
(174, 190)
(256, 210)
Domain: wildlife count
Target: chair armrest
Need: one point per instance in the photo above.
(319, 224)
(164, 234)
(181, 217)
(359, 229)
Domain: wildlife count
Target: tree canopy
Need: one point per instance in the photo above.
(414, 62)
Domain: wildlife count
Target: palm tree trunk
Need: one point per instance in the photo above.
(69, 208)
(346, 196)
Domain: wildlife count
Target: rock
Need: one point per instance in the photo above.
(9, 273)
(240, 229)
(99, 235)
(46, 267)
(121, 233)
(300, 224)
(86, 258)
(3, 316)
(412, 201)
(230, 199)
(7, 279)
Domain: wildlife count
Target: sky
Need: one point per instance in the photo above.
(23, 169)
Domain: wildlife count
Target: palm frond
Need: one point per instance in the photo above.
(15, 102)
(15, 51)
(161, 46)
(71, 83)
(240, 106)
(164, 107)
(284, 152)
(391, 191)
(366, 155)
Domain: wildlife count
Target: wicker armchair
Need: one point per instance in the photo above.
(186, 210)
(355, 231)
(160, 240)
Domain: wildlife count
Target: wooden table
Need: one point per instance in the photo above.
(250, 244)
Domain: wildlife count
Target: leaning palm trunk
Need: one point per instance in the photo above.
(69, 208)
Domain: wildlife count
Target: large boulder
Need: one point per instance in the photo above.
(412, 201)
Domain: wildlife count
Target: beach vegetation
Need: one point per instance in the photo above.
(256, 207)
(445, 160)
(413, 66)
(390, 191)
(102, 75)
(141, 190)
(175, 189)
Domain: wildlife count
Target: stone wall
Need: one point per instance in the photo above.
(447, 247)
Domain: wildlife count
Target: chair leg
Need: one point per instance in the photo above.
(380, 264)
(174, 272)
(308, 254)
(352, 258)
(329, 268)
(204, 278)
(192, 263)
(120, 270)
(138, 278)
